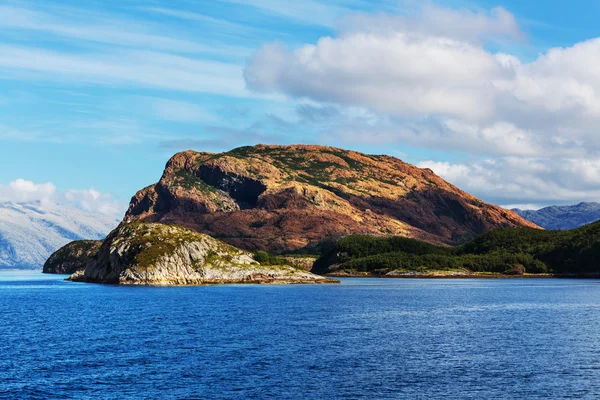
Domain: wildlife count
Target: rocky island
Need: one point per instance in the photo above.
(158, 254)
(208, 211)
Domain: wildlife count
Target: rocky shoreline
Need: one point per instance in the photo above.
(155, 254)
(428, 275)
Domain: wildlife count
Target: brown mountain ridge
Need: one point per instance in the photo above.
(285, 198)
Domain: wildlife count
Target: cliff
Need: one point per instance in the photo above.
(285, 198)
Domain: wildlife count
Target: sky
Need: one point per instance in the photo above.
(500, 98)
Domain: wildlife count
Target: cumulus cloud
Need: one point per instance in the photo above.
(401, 74)
(524, 180)
(465, 24)
(437, 65)
(22, 191)
(431, 64)
(93, 201)
(47, 195)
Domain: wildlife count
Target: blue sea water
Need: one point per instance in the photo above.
(362, 339)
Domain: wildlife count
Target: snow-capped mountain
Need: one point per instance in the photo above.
(563, 217)
(30, 232)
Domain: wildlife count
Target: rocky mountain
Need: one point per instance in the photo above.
(157, 254)
(563, 217)
(30, 232)
(285, 198)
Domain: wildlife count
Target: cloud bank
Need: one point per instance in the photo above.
(47, 195)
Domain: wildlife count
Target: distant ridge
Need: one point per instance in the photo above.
(563, 217)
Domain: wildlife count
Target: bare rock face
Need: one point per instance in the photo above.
(284, 198)
(72, 257)
(157, 254)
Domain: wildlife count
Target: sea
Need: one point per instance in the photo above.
(361, 339)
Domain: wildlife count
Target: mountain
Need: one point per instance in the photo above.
(285, 198)
(507, 251)
(157, 254)
(30, 232)
(563, 217)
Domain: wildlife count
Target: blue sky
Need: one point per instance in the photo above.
(500, 98)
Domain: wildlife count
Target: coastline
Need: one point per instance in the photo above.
(464, 276)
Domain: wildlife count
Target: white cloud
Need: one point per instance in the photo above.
(432, 63)
(215, 24)
(401, 74)
(433, 76)
(465, 24)
(93, 201)
(105, 29)
(450, 172)
(47, 195)
(524, 180)
(307, 11)
(522, 206)
(130, 68)
(22, 191)
(101, 48)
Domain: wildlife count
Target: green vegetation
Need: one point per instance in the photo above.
(303, 169)
(189, 181)
(261, 257)
(265, 258)
(510, 251)
(153, 241)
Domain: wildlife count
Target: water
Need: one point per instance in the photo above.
(363, 339)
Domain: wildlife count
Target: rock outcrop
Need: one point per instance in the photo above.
(157, 254)
(284, 198)
(72, 257)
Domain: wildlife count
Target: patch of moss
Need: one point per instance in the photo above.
(152, 242)
(189, 181)
(354, 165)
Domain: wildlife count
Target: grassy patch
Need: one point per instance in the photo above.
(189, 181)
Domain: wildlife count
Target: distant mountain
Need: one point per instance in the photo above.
(30, 232)
(286, 198)
(563, 217)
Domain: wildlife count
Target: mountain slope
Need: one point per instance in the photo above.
(563, 217)
(284, 198)
(30, 232)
